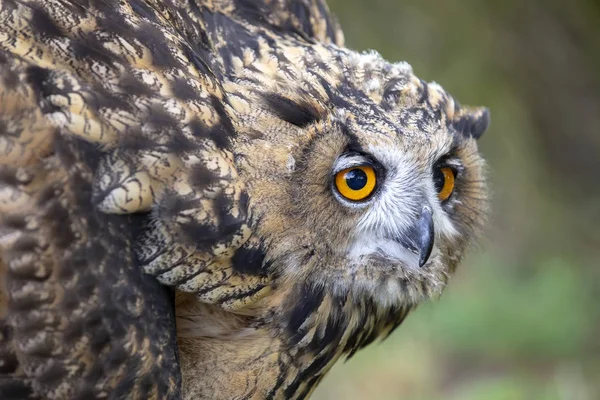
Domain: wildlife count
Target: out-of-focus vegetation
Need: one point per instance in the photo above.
(521, 320)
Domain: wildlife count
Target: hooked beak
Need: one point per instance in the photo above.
(420, 237)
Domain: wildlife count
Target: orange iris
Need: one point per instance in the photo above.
(448, 187)
(356, 183)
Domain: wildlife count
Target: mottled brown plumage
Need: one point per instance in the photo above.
(175, 159)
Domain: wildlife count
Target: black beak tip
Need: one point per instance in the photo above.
(427, 235)
(424, 257)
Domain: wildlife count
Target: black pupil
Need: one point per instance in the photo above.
(438, 179)
(356, 179)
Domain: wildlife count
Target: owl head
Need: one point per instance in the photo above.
(363, 180)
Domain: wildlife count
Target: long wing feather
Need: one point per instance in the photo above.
(83, 321)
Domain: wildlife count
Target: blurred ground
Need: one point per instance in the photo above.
(521, 320)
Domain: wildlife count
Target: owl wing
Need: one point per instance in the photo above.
(115, 160)
(81, 319)
(105, 113)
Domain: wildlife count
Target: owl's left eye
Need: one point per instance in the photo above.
(443, 179)
(356, 183)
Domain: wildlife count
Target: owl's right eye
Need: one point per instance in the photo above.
(356, 183)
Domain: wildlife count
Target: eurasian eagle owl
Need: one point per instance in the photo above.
(214, 198)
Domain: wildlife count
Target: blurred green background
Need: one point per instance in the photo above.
(521, 320)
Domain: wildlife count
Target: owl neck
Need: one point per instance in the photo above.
(225, 356)
(255, 366)
(237, 360)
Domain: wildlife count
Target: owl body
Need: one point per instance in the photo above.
(216, 198)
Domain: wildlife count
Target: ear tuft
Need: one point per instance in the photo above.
(472, 122)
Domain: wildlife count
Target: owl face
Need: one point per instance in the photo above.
(372, 190)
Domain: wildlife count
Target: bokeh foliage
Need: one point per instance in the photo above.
(521, 320)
